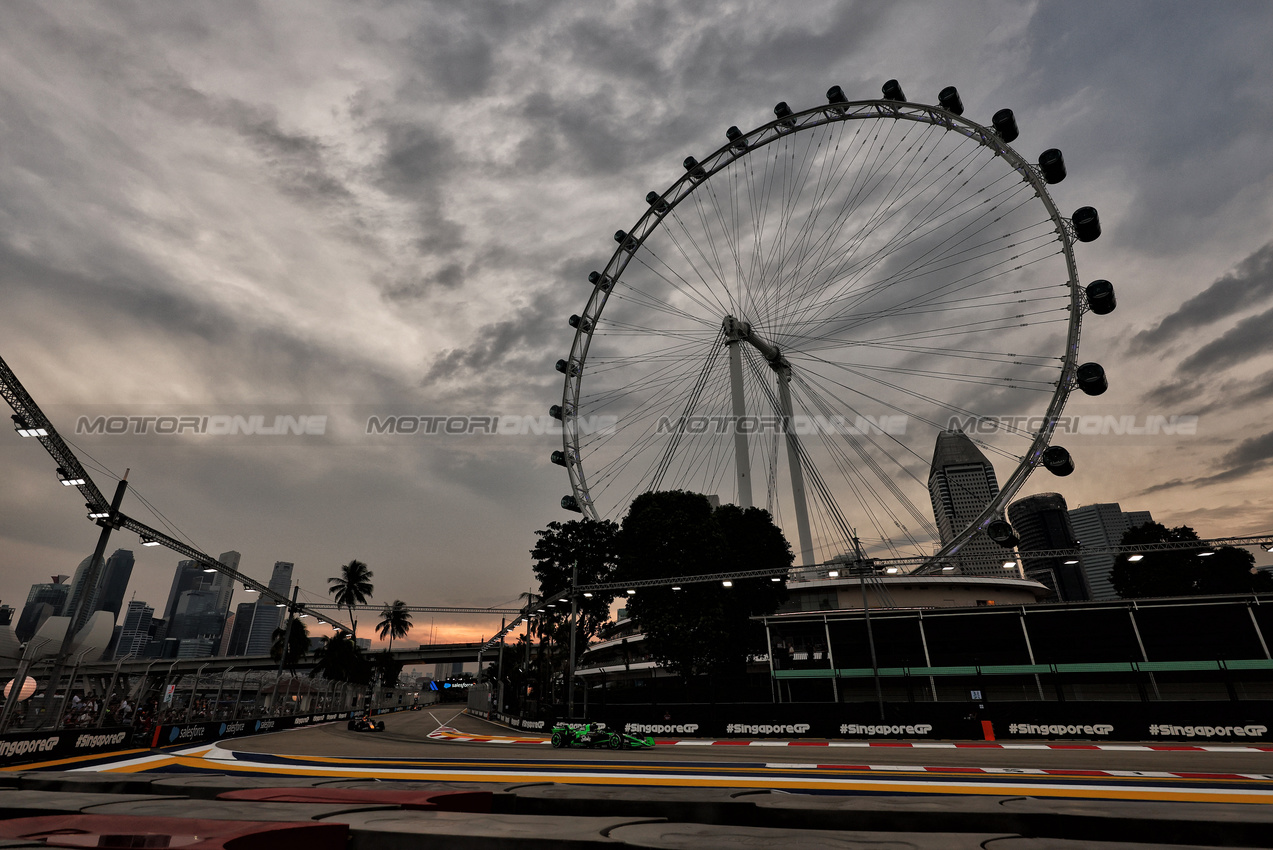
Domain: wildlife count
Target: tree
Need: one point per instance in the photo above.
(339, 659)
(588, 547)
(704, 627)
(395, 621)
(352, 587)
(1183, 572)
(297, 644)
(389, 670)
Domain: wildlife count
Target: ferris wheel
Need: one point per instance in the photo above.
(797, 318)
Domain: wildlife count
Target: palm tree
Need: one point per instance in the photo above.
(395, 621)
(351, 587)
(297, 644)
(340, 659)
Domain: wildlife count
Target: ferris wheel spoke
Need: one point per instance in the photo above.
(851, 264)
(884, 271)
(858, 441)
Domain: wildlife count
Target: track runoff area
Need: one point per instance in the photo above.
(444, 744)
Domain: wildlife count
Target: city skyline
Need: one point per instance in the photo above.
(337, 213)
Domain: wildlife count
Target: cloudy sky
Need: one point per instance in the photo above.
(353, 209)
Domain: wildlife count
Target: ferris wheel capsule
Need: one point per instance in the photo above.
(893, 91)
(1057, 461)
(950, 100)
(1087, 224)
(1005, 125)
(1100, 297)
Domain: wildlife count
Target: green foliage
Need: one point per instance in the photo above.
(352, 587)
(395, 621)
(1184, 572)
(704, 627)
(588, 546)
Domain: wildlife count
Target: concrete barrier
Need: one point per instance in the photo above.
(692, 836)
(26, 804)
(697, 805)
(98, 831)
(452, 830)
(446, 801)
(231, 810)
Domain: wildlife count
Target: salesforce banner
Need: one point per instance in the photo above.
(67, 743)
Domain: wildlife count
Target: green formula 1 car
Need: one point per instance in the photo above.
(594, 735)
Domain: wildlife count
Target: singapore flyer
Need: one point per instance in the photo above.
(794, 322)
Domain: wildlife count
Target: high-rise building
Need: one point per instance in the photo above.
(136, 631)
(961, 482)
(269, 615)
(113, 583)
(238, 644)
(105, 592)
(43, 601)
(79, 582)
(6, 615)
(1100, 526)
(227, 631)
(1043, 522)
(199, 600)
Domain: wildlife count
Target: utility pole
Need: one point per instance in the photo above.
(499, 669)
(862, 566)
(287, 640)
(574, 627)
(79, 615)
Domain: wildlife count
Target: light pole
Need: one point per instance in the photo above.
(861, 565)
(574, 627)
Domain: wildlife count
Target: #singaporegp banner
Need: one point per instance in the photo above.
(1246, 722)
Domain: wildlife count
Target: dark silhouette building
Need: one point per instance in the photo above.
(1043, 522)
(238, 644)
(43, 601)
(199, 601)
(961, 483)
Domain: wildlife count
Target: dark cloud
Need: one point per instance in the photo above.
(514, 352)
(449, 277)
(1247, 339)
(1249, 283)
(1204, 397)
(1253, 455)
(230, 357)
(576, 134)
(1166, 155)
(456, 61)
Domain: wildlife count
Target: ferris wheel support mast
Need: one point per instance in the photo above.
(737, 332)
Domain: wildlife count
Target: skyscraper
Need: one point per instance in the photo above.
(238, 644)
(268, 616)
(1043, 522)
(1098, 526)
(107, 592)
(136, 631)
(961, 482)
(113, 583)
(43, 601)
(199, 600)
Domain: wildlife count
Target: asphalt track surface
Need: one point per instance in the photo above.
(442, 744)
